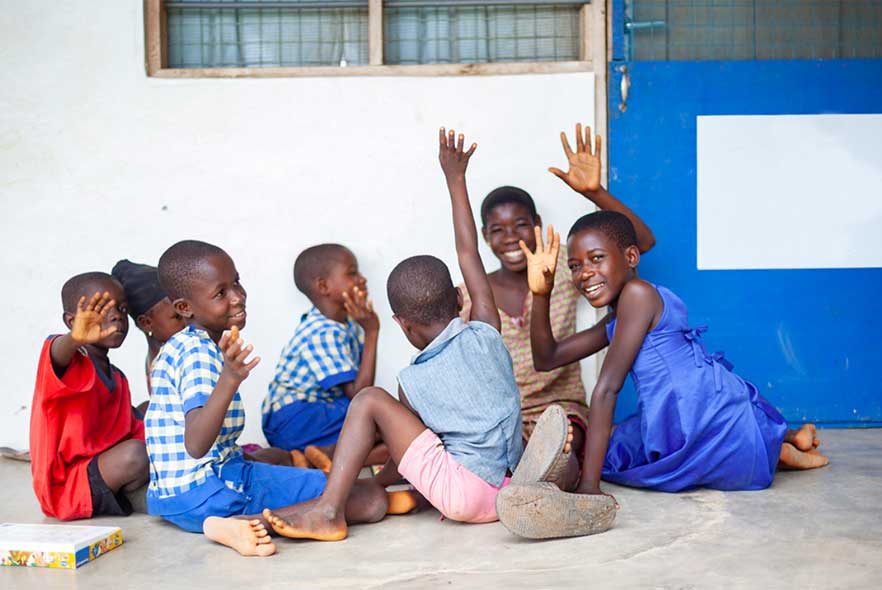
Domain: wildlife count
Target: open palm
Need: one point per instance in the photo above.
(86, 326)
(542, 263)
(584, 172)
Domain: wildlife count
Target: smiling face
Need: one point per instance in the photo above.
(342, 275)
(600, 266)
(216, 298)
(507, 224)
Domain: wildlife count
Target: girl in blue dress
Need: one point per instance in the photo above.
(698, 424)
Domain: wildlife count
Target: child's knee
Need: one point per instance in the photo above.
(369, 396)
(134, 456)
(377, 504)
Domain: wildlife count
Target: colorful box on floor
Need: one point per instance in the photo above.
(55, 545)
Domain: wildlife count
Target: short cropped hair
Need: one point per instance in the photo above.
(503, 195)
(179, 263)
(614, 225)
(420, 290)
(75, 287)
(314, 263)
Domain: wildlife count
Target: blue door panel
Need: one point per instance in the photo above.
(810, 339)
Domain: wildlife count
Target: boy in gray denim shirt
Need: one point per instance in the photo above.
(454, 432)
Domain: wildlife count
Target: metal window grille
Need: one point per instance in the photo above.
(481, 34)
(752, 29)
(267, 33)
(212, 35)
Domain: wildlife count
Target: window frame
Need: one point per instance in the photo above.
(592, 27)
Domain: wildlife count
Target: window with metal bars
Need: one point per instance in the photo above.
(668, 30)
(277, 33)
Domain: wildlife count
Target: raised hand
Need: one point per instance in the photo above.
(542, 263)
(86, 325)
(236, 364)
(584, 173)
(453, 160)
(361, 309)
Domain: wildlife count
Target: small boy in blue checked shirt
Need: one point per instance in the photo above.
(331, 357)
(199, 477)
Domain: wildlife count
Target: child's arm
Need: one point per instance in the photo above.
(637, 308)
(362, 311)
(584, 177)
(454, 162)
(85, 328)
(202, 425)
(548, 353)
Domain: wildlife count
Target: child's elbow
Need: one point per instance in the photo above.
(193, 450)
(542, 364)
(606, 390)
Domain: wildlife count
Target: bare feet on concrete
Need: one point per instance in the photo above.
(793, 458)
(318, 458)
(804, 439)
(298, 459)
(308, 520)
(248, 537)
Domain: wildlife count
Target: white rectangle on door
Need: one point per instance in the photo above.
(789, 191)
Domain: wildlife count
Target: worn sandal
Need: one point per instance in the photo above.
(542, 511)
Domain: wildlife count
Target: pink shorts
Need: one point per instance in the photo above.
(455, 491)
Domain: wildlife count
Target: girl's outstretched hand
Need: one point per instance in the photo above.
(584, 173)
(453, 160)
(542, 263)
(86, 326)
(236, 362)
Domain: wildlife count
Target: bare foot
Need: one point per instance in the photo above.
(312, 523)
(318, 458)
(298, 459)
(806, 438)
(248, 537)
(793, 458)
(402, 502)
(560, 472)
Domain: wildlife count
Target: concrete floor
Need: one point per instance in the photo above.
(818, 529)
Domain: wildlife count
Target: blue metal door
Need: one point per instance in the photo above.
(810, 338)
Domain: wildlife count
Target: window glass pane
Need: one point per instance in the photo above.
(445, 33)
(753, 29)
(266, 37)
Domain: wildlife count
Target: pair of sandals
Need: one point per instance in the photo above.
(534, 506)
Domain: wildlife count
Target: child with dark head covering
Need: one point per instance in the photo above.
(149, 306)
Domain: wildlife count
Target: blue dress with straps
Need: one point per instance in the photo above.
(698, 424)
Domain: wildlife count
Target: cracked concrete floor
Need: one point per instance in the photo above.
(818, 529)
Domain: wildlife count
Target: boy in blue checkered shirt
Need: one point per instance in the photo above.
(199, 477)
(331, 357)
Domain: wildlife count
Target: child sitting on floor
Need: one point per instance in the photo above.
(331, 357)
(156, 317)
(199, 478)
(87, 447)
(150, 308)
(698, 424)
(455, 431)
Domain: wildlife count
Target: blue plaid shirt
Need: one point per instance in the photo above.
(322, 355)
(184, 375)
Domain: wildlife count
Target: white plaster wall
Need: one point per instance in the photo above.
(99, 162)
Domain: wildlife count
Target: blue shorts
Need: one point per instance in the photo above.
(262, 485)
(303, 423)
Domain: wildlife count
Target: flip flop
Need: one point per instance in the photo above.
(544, 448)
(542, 511)
(15, 455)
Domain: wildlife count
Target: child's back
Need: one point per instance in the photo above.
(462, 386)
(698, 423)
